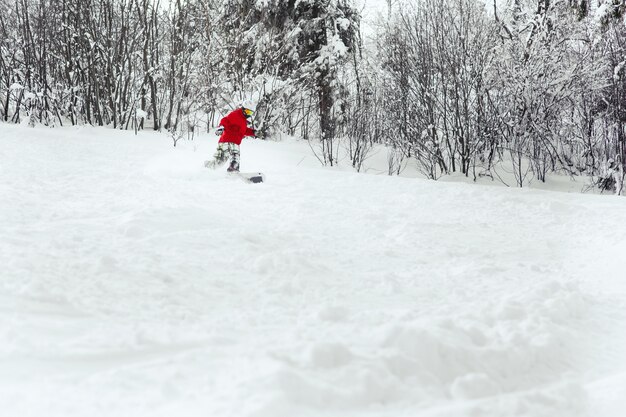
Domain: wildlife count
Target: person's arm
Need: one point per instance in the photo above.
(225, 123)
(221, 126)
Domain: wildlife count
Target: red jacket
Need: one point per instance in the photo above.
(235, 127)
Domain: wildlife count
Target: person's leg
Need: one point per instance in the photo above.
(233, 149)
(220, 156)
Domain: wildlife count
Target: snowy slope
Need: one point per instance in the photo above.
(134, 282)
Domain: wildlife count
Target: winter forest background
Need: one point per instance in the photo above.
(459, 86)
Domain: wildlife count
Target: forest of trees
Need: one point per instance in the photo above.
(533, 87)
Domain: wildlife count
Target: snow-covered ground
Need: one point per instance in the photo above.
(134, 282)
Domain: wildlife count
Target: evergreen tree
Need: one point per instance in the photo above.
(303, 41)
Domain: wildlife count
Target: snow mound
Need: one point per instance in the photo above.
(511, 347)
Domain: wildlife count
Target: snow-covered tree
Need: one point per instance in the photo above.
(303, 43)
(435, 62)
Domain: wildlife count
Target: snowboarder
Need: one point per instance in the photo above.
(232, 129)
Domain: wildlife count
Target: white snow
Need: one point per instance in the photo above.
(140, 114)
(602, 12)
(134, 282)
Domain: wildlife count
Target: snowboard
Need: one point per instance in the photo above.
(249, 177)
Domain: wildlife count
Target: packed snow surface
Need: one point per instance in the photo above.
(135, 282)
